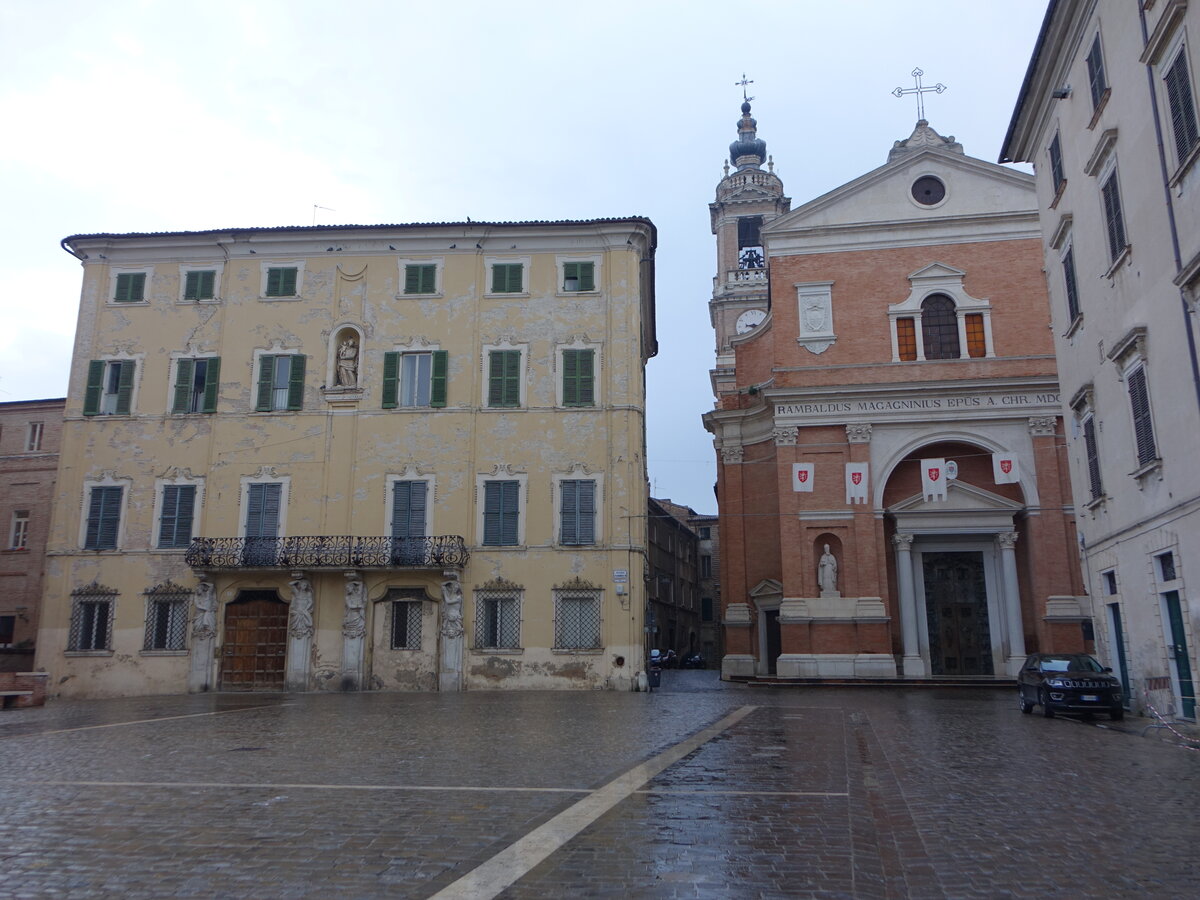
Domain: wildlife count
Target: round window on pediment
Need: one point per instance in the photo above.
(928, 190)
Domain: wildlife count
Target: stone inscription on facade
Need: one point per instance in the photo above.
(919, 404)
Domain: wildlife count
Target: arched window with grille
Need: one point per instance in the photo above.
(939, 327)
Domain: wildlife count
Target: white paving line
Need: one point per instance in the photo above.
(703, 793)
(512, 863)
(217, 712)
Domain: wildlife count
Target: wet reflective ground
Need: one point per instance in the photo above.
(813, 792)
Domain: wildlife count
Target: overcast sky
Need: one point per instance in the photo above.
(136, 115)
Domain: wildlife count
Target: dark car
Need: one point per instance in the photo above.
(693, 661)
(1068, 682)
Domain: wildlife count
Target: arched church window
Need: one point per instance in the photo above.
(939, 328)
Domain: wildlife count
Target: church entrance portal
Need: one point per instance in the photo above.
(255, 647)
(774, 640)
(960, 640)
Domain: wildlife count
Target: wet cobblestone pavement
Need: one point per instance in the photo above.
(698, 790)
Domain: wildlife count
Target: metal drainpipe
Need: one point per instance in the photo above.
(1162, 161)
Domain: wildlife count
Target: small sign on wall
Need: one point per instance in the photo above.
(802, 477)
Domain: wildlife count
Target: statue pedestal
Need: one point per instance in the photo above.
(201, 667)
(299, 654)
(831, 595)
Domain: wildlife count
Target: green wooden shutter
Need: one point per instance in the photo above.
(498, 279)
(104, 517)
(125, 387)
(296, 382)
(511, 511)
(496, 378)
(289, 282)
(408, 509)
(506, 278)
(391, 380)
(579, 276)
(587, 379)
(586, 533)
(569, 513)
(587, 276)
(501, 513)
(178, 508)
(578, 378)
(570, 377)
(428, 279)
(212, 384)
(131, 287)
(262, 510)
(281, 282)
(184, 371)
(95, 385)
(266, 371)
(412, 279)
(200, 285)
(438, 379)
(492, 493)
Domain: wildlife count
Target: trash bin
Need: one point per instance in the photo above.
(654, 677)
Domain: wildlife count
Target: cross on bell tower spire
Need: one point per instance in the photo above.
(742, 84)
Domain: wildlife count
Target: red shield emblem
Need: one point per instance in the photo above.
(934, 473)
(802, 476)
(856, 477)
(1006, 466)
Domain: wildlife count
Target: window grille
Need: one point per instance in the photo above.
(576, 619)
(406, 624)
(91, 618)
(167, 607)
(498, 618)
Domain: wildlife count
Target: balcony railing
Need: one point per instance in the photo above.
(328, 552)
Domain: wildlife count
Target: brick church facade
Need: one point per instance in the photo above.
(892, 475)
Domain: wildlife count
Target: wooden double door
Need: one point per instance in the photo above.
(254, 654)
(960, 635)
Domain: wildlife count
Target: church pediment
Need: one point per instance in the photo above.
(966, 509)
(959, 496)
(768, 587)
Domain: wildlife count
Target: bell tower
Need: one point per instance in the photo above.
(748, 198)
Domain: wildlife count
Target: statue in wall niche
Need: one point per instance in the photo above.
(300, 624)
(347, 364)
(452, 601)
(205, 599)
(827, 572)
(354, 625)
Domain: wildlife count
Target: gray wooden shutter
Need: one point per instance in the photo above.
(184, 370)
(1143, 429)
(266, 374)
(296, 383)
(95, 386)
(104, 517)
(262, 510)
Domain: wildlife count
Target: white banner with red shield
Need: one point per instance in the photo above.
(802, 477)
(856, 482)
(1005, 469)
(933, 479)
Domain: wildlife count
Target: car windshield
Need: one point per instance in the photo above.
(1069, 664)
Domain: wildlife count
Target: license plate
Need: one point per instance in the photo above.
(1091, 698)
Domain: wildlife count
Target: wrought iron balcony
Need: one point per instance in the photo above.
(328, 552)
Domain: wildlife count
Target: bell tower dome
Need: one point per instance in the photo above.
(748, 198)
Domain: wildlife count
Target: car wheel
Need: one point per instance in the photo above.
(1047, 709)
(1117, 714)
(1026, 705)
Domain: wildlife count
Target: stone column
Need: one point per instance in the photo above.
(914, 666)
(354, 629)
(204, 633)
(450, 665)
(300, 632)
(1012, 601)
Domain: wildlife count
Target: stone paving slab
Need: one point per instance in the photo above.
(816, 792)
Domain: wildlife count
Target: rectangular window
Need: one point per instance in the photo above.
(280, 382)
(175, 520)
(1093, 457)
(577, 514)
(579, 377)
(706, 609)
(1182, 106)
(906, 339)
(1072, 287)
(1143, 427)
(1110, 582)
(109, 390)
(705, 566)
(1166, 566)
(8, 628)
(200, 285)
(33, 437)
(406, 624)
(749, 229)
(504, 378)
(414, 379)
(196, 385)
(103, 518)
(498, 620)
(409, 504)
(501, 513)
(91, 622)
(420, 279)
(131, 287)
(1096, 78)
(1056, 164)
(18, 537)
(263, 505)
(281, 282)
(166, 622)
(705, 532)
(507, 278)
(579, 276)
(1114, 218)
(976, 342)
(576, 620)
